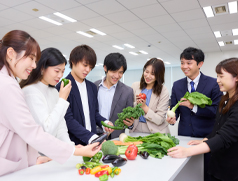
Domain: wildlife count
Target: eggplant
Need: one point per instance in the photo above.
(119, 162)
(100, 139)
(144, 154)
(109, 158)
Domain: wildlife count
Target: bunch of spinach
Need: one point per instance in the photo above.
(129, 112)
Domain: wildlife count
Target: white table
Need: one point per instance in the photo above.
(164, 169)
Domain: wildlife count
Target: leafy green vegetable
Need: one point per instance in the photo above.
(109, 148)
(129, 112)
(195, 98)
(155, 144)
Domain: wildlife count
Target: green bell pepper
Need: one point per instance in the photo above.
(66, 81)
(103, 177)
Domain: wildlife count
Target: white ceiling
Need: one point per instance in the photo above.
(163, 28)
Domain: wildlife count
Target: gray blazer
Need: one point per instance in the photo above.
(122, 98)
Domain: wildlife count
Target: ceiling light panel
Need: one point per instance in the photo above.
(221, 43)
(115, 46)
(208, 11)
(232, 7)
(50, 20)
(235, 32)
(236, 42)
(133, 53)
(84, 34)
(167, 63)
(97, 31)
(129, 46)
(217, 34)
(65, 17)
(143, 52)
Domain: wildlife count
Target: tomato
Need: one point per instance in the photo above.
(142, 96)
(131, 152)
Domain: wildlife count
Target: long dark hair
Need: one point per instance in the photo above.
(159, 70)
(49, 57)
(231, 66)
(19, 41)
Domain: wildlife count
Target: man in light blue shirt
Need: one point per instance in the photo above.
(113, 95)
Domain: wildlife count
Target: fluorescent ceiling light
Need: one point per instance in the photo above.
(97, 31)
(65, 17)
(64, 55)
(167, 62)
(129, 46)
(159, 58)
(217, 34)
(50, 20)
(115, 46)
(84, 34)
(100, 64)
(232, 7)
(143, 52)
(221, 43)
(208, 11)
(235, 32)
(133, 53)
(236, 42)
(96, 65)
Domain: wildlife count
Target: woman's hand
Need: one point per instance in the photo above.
(42, 159)
(195, 142)
(171, 120)
(88, 151)
(142, 101)
(129, 122)
(178, 152)
(64, 91)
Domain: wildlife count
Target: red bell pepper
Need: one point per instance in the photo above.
(81, 171)
(104, 166)
(100, 173)
(131, 152)
(87, 171)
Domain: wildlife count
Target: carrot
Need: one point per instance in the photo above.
(116, 142)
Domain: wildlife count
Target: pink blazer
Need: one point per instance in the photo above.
(20, 137)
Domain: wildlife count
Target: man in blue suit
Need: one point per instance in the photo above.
(82, 115)
(194, 121)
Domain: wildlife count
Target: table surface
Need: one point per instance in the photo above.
(166, 168)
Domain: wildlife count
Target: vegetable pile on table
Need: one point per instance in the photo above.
(195, 98)
(128, 112)
(94, 167)
(156, 145)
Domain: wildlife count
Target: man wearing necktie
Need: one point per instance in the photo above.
(195, 121)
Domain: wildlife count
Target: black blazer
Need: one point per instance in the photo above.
(75, 117)
(223, 143)
(201, 123)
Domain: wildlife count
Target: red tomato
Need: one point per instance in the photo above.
(131, 152)
(142, 96)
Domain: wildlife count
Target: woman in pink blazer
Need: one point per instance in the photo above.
(20, 137)
(157, 99)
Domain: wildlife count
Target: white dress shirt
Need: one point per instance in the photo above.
(196, 81)
(47, 109)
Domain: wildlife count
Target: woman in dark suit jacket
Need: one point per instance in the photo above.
(223, 141)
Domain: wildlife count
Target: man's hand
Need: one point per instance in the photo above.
(129, 122)
(171, 120)
(109, 129)
(186, 103)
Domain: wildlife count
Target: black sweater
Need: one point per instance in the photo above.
(223, 142)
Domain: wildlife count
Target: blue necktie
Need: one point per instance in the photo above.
(192, 86)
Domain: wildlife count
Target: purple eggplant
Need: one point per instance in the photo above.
(119, 162)
(100, 139)
(144, 154)
(109, 158)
